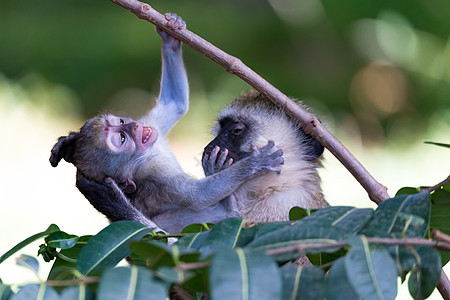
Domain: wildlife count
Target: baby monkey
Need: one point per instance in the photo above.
(127, 171)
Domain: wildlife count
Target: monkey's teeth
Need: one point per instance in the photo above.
(146, 133)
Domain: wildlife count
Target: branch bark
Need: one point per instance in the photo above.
(376, 191)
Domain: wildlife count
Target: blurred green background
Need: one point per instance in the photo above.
(380, 68)
(376, 72)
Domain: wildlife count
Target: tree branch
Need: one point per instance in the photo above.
(376, 191)
(233, 65)
(84, 280)
(439, 185)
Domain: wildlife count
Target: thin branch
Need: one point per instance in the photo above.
(233, 65)
(302, 246)
(444, 286)
(440, 236)
(84, 280)
(376, 191)
(192, 266)
(439, 185)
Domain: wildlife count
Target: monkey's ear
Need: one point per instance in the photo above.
(314, 149)
(64, 148)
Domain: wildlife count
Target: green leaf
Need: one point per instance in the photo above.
(329, 224)
(80, 292)
(109, 246)
(52, 228)
(174, 276)
(36, 291)
(372, 273)
(131, 283)
(194, 241)
(225, 235)
(239, 274)
(297, 213)
(302, 282)
(198, 282)
(270, 227)
(440, 212)
(403, 258)
(324, 258)
(438, 144)
(65, 264)
(5, 291)
(401, 216)
(28, 262)
(197, 227)
(337, 285)
(426, 272)
(407, 191)
(156, 255)
(62, 240)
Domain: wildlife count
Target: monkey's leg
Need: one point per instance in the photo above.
(173, 100)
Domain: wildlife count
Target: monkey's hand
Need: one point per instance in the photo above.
(264, 160)
(213, 164)
(109, 199)
(175, 22)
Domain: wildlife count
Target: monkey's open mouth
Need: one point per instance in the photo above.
(148, 135)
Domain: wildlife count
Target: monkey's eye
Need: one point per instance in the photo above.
(238, 129)
(121, 122)
(123, 138)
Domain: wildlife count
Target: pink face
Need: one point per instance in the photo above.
(124, 134)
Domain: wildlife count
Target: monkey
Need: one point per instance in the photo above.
(127, 171)
(254, 119)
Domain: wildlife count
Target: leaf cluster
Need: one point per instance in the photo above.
(241, 260)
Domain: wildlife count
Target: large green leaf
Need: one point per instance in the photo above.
(36, 291)
(225, 235)
(109, 246)
(440, 212)
(52, 228)
(133, 283)
(80, 292)
(337, 285)
(194, 241)
(329, 224)
(302, 282)
(401, 216)
(239, 274)
(263, 229)
(426, 272)
(372, 273)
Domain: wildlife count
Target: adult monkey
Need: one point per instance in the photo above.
(127, 171)
(252, 119)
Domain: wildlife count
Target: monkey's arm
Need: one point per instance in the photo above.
(208, 191)
(173, 100)
(108, 199)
